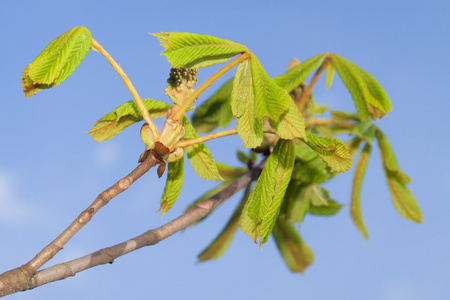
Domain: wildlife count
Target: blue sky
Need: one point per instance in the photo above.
(50, 170)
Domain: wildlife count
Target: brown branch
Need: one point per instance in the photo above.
(151, 237)
(20, 278)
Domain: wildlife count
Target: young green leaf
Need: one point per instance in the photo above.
(330, 209)
(365, 130)
(175, 176)
(355, 208)
(123, 116)
(295, 76)
(199, 156)
(310, 168)
(57, 61)
(298, 198)
(230, 173)
(296, 254)
(191, 50)
(319, 196)
(403, 200)
(263, 205)
(248, 126)
(290, 125)
(270, 99)
(368, 96)
(222, 241)
(332, 150)
(343, 116)
(216, 111)
(331, 70)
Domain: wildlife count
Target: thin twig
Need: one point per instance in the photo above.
(151, 237)
(19, 278)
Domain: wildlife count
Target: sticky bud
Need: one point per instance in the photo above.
(172, 132)
(147, 137)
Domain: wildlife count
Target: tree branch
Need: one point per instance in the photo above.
(20, 278)
(151, 237)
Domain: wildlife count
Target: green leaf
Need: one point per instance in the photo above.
(403, 200)
(311, 168)
(296, 254)
(365, 130)
(355, 208)
(270, 99)
(216, 111)
(57, 61)
(298, 197)
(332, 150)
(368, 96)
(342, 116)
(123, 116)
(230, 173)
(290, 125)
(295, 76)
(199, 156)
(222, 241)
(263, 205)
(191, 50)
(330, 209)
(331, 70)
(175, 176)
(248, 126)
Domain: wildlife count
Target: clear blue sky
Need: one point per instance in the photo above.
(50, 170)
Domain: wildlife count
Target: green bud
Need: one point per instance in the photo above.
(147, 137)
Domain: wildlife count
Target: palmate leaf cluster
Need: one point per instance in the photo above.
(301, 148)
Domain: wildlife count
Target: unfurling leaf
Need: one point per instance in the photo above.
(263, 205)
(368, 96)
(330, 209)
(329, 75)
(199, 156)
(295, 76)
(290, 125)
(360, 170)
(298, 198)
(123, 116)
(332, 150)
(296, 254)
(270, 99)
(365, 130)
(214, 112)
(191, 50)
(222, 241)
(403, 200)
(310, 168)
(175, 176)
(57, 61)
(230, 173)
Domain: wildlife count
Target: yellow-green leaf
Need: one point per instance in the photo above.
(296, 254)
(175, 176)
(355, 208)
(263, 205)
(192, 50)
(57, 61)
(123, 116)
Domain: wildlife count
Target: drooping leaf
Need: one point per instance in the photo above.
(353, 145)
(355, 208)
(216, 111)
(191, 50)
(298, 197)
(330, 209)
(230, 173)
(319, 196)
(332, 150)
(248, 126)
(296, 254)
(270, 99)
(199, 156)
(368, 96)
(403, 200)
(222, 241)
(365, 130)
(175, 176)
(123, 116)
(57, 61)
(290, 125)
(295, 76)
(263, 205)
(343, 116)
(331, 70)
